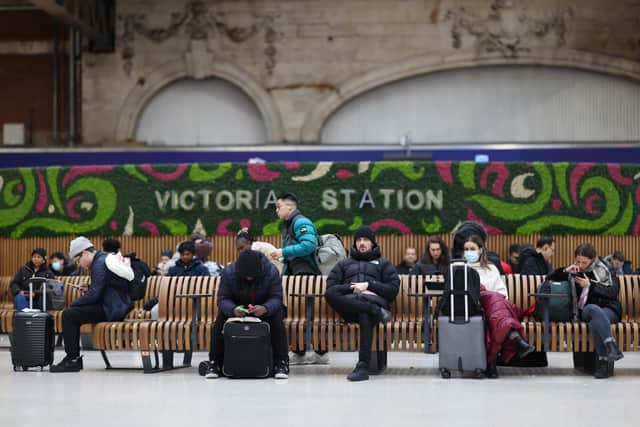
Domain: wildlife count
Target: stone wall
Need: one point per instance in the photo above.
(300, 60)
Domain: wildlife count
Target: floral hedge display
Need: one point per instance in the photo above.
(392, 197)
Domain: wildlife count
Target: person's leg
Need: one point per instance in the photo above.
(72, 319)
(361, 371)
(600, 327)
(216, 351)
(279, 342)
(348, 303)
(20, 302)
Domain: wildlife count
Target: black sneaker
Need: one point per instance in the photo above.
(281, 370)
(360, 373)
(213, 371)
(67, 365)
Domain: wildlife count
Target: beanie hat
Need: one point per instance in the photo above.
(365, 231)
(40, 251)
(78, 245)
(249, 264)
(187, 245)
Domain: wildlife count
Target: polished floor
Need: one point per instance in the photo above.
(410, 393)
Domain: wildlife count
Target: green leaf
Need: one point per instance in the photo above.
(175, 227)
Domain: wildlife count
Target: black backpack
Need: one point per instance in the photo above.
(141, 271)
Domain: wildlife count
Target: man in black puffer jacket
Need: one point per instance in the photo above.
(250, 286)
(360, 288)
(537, 261)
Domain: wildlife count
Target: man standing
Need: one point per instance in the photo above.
(408, 262)
(299, 238)
(251, 285)
(299, 242)
(107, 299)
(537, 261)
(361, 288)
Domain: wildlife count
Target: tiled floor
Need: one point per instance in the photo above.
(411, 392)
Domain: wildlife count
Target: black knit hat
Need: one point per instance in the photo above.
(187, 245)
(364, 231)
(40, 251)
(111, 245)
(249, 264)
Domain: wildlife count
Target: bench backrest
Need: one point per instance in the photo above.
(173, 308)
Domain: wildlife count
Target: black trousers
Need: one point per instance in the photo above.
(357, 308)
(72, 319)
(279, 343)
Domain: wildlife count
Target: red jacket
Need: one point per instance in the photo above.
(501, 316)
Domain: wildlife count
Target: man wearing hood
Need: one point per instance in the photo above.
(361, 288)
(536, 261)
(250, 286)
(36, 267)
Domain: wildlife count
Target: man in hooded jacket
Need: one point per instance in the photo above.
(361, 288)
(250, 286)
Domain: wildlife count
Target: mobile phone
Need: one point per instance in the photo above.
(577, 274)
(243, 309)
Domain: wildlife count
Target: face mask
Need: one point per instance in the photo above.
(471, 256)
(56, 266)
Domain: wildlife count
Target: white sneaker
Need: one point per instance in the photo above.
(317, 359)
(297, 359)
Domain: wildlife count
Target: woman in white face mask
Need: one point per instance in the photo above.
(475, 255)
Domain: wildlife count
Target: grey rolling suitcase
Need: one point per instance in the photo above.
(32, 340)
(461, 341)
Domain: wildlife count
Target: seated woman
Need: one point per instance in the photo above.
(435, 259)
(597, 294)
(36, 267)
(504, 332)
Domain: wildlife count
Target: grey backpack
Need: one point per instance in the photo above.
(330, 250)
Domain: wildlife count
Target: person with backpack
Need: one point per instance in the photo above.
(299, 238)
(504, 332)
(299, 243)
(250, 286)
(36, 267)
(361, 288)
(597, 294)
(107, 299)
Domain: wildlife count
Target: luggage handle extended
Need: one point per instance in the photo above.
(44, 292)
(459, 263)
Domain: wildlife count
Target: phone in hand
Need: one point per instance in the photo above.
(577, 274)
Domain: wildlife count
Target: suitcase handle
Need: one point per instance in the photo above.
(44, 292)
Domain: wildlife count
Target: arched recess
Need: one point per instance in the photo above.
(316, 118)
(138, 98)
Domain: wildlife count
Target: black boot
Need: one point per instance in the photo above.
(613, 353)
(492, 369)
(610, 370)
(602, 368)
(523, 347)
(360, 373)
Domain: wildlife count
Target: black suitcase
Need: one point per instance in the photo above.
(247, 349)
(32, 341)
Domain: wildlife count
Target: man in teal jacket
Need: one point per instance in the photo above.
(299, 243)
(299, 238)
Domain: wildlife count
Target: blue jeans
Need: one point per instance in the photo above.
(20, 302)
(600, 320)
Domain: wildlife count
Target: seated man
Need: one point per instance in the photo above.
(107, 299)
(36, 267)
(187, 265)
(409, 261)
(360, 288)
(252, 283)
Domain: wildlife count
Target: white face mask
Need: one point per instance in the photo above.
(471, 256)
(56, 265)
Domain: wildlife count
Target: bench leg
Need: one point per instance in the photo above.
(187, 358)
(167, 360)
(106, 359)
(146, 362)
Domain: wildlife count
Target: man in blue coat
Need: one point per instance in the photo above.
(107, 299)
(250, 286)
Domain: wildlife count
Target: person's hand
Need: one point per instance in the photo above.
(572, 269)
(359, 287)
(84, 287)
(25, 293)
(239, 312)
(583, 282)
(277, 254)
(257, 310)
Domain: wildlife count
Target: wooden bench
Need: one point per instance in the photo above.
(186, 311)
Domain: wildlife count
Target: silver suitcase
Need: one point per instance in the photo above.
(461, 341)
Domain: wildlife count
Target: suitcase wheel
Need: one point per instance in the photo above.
(15, 368)
(446, 374)
(202, 368)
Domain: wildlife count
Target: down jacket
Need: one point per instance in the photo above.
(501, 317)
